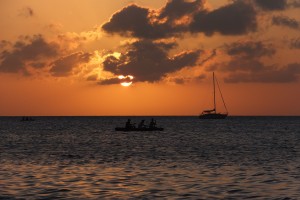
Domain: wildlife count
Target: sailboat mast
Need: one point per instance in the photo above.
(214, 93)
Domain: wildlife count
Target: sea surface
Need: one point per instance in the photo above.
(84, 158)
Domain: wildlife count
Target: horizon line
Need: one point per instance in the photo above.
(142, 115)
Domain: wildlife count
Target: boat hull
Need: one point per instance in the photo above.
(213, 116)
(137, 129)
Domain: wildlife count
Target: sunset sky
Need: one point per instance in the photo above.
(66, 57)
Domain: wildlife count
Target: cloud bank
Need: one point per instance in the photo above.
(179, 17)
(286, 22)
(31, 53)
(271, 5)
(236, 18)
(64, 65)
(150, 58)
(245, 64)
(148, 61)
(26, 52)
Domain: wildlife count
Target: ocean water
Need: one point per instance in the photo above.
(84, 158)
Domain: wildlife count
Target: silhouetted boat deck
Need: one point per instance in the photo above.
(138, 129)
(213, 116)
(27, 119)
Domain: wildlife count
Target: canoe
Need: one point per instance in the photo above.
(138, 129)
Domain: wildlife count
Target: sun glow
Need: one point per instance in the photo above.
(116, 55)
(128, 79)
(126, 84)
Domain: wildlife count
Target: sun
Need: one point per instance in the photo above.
(126, 84)
(128, 79)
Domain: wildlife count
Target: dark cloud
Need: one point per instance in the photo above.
(136, 22)
(30, 53)
(250, 49)
(144, 23)
(25, 51)
(245, 56)
(179, 81)
(211, 56)
(201, 77)
(236, 18)
(285, 21)
(238, 64)
(176, 9)
(268, 74)
(4, 44)
(295, 3)
(38, 65)
(92, 77)
(149, 61)
(295, 43)
(183, 80)
(110, 81)
(26, 12)
(271, 5)
(64, 66)
(182, 16)
(254, 71)
(130, 20)
(245, 65)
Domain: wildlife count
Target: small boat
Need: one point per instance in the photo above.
(213, 114)
(138, 129)
(142, 127)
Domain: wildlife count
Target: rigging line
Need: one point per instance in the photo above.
(215, 107)
(221, 94)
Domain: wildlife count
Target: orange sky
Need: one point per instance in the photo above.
(64, 57)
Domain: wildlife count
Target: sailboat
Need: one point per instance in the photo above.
(213, 114)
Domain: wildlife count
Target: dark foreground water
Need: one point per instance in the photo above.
(84, 158)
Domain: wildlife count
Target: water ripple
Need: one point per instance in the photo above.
(83, 158)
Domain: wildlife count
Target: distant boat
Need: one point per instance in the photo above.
(213, 114)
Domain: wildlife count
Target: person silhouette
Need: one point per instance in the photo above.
(128, 124)
(142, 124)
(152, 123)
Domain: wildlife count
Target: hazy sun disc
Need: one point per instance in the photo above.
(126, 84)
